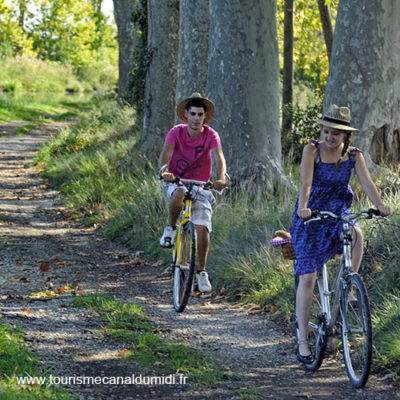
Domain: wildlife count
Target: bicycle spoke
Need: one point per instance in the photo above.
(184, 268)
(356, 331)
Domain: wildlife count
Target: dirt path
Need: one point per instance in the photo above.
(42, 248)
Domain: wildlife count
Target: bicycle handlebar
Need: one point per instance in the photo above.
(317, 215)
(205, 185)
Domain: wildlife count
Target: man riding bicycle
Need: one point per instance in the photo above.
(187, 153)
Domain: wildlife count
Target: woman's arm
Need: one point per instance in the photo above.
(306, 174)
(368, 185)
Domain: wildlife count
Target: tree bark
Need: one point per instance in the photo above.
(287, 89)
(159, 103)
(326, 21)
(365, 74)
(194, 26)
(244, 84)
(127, 41)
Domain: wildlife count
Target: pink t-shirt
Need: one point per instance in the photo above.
(191, 157)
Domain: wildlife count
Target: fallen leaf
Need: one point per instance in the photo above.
(44, 266)
(122, 353)
(54, 258)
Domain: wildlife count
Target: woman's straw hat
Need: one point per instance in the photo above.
(210, 112)
(338, 118)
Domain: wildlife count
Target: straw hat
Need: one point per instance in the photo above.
(338, 118)
(180, 109)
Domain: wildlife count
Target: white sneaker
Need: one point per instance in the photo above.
(168, 237)
(203, 282)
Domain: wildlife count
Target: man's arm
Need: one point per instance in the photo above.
(163, 160)
(220, 165)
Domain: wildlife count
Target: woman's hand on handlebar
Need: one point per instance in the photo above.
(304, 213)
(384, 210)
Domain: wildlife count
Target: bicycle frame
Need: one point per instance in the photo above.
(186, 215)
(345, 268)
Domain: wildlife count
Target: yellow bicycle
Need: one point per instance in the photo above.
(184, 254)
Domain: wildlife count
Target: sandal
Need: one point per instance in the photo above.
(304, 359)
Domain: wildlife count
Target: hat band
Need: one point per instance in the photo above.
(336, 121)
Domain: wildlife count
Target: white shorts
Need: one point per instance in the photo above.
(201, 205)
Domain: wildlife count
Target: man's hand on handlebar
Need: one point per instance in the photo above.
(168, 176)
(219, 184)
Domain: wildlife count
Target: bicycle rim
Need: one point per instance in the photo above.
(184, 268)
(356, 331)
(317, 328)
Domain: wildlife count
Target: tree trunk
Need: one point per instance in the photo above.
(326, 21)
(127, 41)
(244, 84)
(194, 26)
(287, 89)
(159, 104)
(365, 74)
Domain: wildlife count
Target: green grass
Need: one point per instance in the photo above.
(28, 74)
(16, 361)
(28, 108)
(99, 166)
(128, 324)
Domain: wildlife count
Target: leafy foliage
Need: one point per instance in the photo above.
(311, 64)
(304, 127)
(71, 32)
(13, 38)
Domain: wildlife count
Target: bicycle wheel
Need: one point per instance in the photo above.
(317, 336)
(356, 330)
(184, 267)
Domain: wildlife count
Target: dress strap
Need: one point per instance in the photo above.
(316, 144)
(353, 153)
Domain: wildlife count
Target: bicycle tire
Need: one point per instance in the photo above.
(356, 330)
(317, 329)
(184, 268)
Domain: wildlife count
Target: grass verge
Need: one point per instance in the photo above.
(17, 362)
(38, 108)
(127, 323)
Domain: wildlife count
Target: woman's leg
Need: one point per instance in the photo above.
(357, 247)
(303, 305)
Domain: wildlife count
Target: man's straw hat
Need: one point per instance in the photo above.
(210, 112)
(338, 118)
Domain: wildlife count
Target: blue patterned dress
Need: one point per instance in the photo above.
(318, 241)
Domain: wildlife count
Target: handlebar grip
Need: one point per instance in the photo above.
(314, 213)
(374, 211)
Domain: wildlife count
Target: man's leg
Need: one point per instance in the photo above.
(175, 206)
(203, 240)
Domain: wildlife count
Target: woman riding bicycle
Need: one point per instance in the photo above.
(326, 168)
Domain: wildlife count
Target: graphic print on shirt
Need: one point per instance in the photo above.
(181, 164)
(198, 150)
